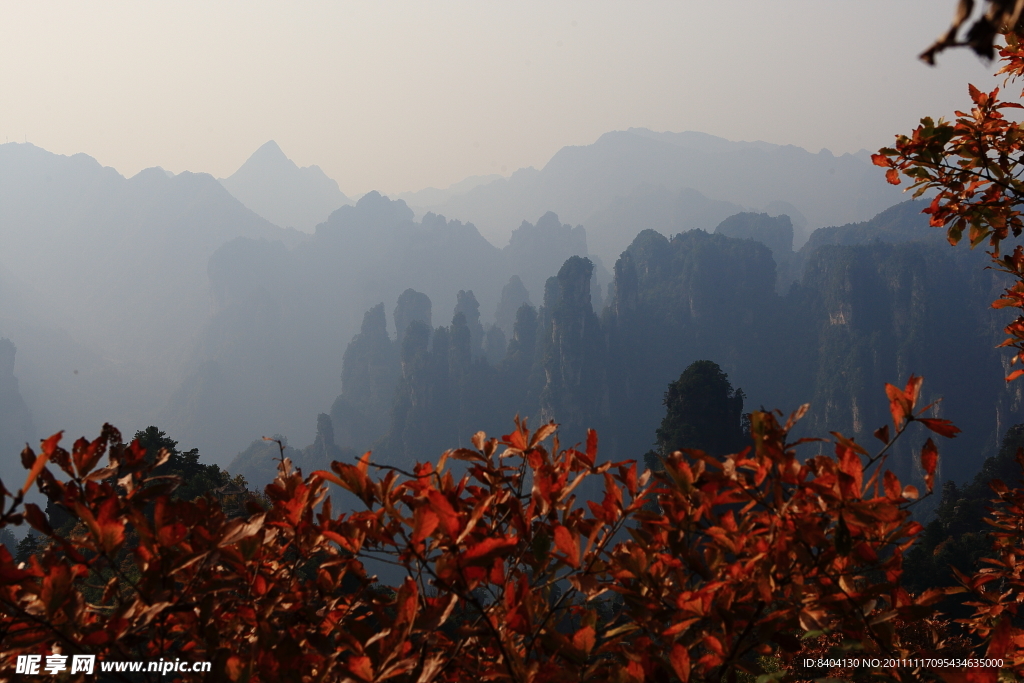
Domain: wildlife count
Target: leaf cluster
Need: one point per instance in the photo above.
(746, 559)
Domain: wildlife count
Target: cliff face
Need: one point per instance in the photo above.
(694, 297)
(370, 372)
(283, 315)
(775, 232)
(884, 311)
(16, 427)
(865, 311)
(412, 305)
(574, 360)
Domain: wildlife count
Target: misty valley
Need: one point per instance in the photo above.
(173, 300)
(654, 287)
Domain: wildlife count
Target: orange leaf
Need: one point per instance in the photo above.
(361, 666)
(584, 639)
(680, 659)
(234, 667)
(516, 440)
(364, 463)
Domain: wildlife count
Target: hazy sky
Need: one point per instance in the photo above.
(402, 95)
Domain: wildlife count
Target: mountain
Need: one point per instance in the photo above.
(111, 279)
(579, 182)
(432, 197)
(611, 228)
(868, 303)
(273, 352)
(274, 187)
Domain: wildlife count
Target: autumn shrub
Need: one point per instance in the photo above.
(507, 575)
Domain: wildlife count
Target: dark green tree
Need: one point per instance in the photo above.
(197, 479)
(702, 411)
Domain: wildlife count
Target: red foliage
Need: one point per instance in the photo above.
(744, 557)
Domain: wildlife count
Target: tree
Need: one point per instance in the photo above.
(974, 166)
(703, 412)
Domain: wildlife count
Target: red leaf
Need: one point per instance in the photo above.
(893, 176)
(882, 434)
(479, 554)
(929, 461)
(86, 454)
(56, 588)
(37, 467)
(569, 544)
(897, 405)
(850, 464)
(1000, 642)
(892, 485)
(445, 512)
(424, 523)
(939, 426)
(37, 519)
(591, 446)
(407, 603)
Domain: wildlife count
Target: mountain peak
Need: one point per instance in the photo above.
(269, 154)
(276, 188)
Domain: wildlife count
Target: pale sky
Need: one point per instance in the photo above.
(396, 96)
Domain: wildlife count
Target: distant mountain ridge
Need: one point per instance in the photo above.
(111, 280)
(270, 356)
(579, 182)
(872, 302)
(276, 188)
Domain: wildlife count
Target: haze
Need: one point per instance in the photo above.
(406, 95)
(387, 226)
